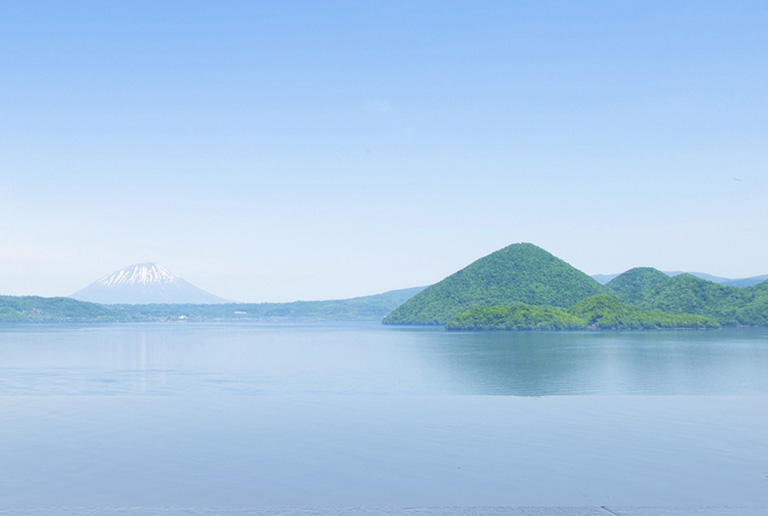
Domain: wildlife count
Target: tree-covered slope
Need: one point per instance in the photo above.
(600, 312)
(688, 294)
(755, 311)
(629, 286)
(517, 317)
(52, 309)
(519, 273)
(606, 312)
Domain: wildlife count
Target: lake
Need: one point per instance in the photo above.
(344, 415)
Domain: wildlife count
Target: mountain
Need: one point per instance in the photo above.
(629, 286)
(144, 283)
(519, 273)
(604, 279)
(755, 311)
(700, 275)
(745, 282)
(686, 293)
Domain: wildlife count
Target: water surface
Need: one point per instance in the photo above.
(360, 414)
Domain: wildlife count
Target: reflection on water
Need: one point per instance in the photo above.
(658, 363)
(345, 415)
(371, 359)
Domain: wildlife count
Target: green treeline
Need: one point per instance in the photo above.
(33, 309)
(601, 312)
(52, 309)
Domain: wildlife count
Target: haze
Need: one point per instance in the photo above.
(311, 150)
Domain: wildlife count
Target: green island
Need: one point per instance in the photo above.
(523, 287)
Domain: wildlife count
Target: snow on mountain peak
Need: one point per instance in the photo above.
(140, 274)
(145, 283)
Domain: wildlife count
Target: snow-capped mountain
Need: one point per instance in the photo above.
(145, 283)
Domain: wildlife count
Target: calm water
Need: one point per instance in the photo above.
(346, 415)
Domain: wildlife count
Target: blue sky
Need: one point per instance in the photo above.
(305, 150)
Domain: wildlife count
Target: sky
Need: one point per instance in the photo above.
(275, 151)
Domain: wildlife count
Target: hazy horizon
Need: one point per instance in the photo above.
(328, 151)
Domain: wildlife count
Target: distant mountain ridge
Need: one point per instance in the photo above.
(603, 279)
(144, 283)
(364, 308)
(35, 309)
(26, 309)
(745, 282)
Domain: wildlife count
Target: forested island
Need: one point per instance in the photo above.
(523, 287)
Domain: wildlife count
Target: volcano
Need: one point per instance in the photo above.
(145, 283)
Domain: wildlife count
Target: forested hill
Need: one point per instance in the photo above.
(632, 285)
(519, 273)
(688, 294)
